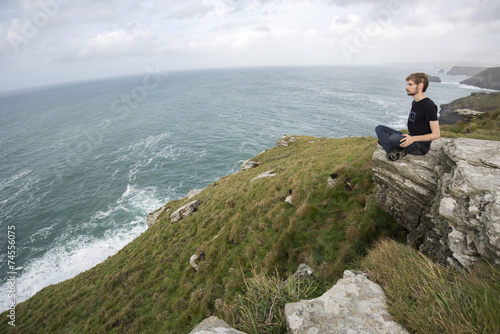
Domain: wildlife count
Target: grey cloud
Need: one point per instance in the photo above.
(262, 28)
(344, 19)
(486, 11)
(190, 10)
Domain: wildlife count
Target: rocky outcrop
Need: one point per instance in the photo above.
(465, 70)
(285, 140)
(448, 199)
(193, 192)
(184, 211)
(153, 216)
(489, 79)
(468, 107)
(214, 325)
(433, 78)
(354, 305)
(269, 173)
(248, 164)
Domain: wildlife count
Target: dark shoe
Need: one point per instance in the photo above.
(395, 154)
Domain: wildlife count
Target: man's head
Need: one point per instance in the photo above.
(417, 82)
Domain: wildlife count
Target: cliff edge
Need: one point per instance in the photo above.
(468, 107)
(489, 79)
(448, 200)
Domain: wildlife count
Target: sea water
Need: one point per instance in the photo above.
(82, 164)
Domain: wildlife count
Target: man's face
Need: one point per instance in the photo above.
(411, 88)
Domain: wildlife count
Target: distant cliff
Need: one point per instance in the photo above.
(489, 78)
(465, 108)
(465, 70)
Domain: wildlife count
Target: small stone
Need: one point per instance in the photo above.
(184, 211)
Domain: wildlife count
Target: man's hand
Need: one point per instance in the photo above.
(407, 140)
(435, 134)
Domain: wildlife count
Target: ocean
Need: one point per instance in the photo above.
(82, 164)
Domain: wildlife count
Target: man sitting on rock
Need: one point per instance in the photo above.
(423, 124)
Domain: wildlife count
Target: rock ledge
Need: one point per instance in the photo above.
(448, 199)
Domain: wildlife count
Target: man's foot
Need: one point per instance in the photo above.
(395, 154)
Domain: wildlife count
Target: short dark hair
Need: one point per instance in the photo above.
(419, 78)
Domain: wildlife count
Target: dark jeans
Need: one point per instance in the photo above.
(389, 138)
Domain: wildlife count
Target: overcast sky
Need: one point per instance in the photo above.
(51, 41)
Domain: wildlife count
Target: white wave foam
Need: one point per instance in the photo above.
(68, 260)
(127, 192)
(469, 87)
(14, 178)
(71, 257)
(41, 234)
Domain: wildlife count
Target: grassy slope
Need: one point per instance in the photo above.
(486, 127)
(149, 287)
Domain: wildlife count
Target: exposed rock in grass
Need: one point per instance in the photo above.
(285, 141)
(332, 180)
(192, 261)
(153, 216)
(269, 173)
(303, 272)
(184, 211)
(193, 192)
(289, 198)
(248, 164)
(353, 305)
(214, 325)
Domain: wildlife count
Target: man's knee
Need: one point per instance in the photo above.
(395, 139)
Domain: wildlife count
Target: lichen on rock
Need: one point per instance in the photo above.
(448, 199)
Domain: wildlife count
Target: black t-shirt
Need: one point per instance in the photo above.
(422, 112)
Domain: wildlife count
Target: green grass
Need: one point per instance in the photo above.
(486, 126)
(261, 306)
(428, 298)
(149, 286)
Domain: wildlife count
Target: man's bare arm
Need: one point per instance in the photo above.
(435, 134)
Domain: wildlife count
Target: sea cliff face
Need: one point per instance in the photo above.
(468, 107)
(489, 79)
(448, 199)
(465, 70)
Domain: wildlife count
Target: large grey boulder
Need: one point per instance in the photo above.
(354, 305)
(448, 199)
(214, 325)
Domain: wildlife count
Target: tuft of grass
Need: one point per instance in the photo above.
(427, 298)
(261, 306)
